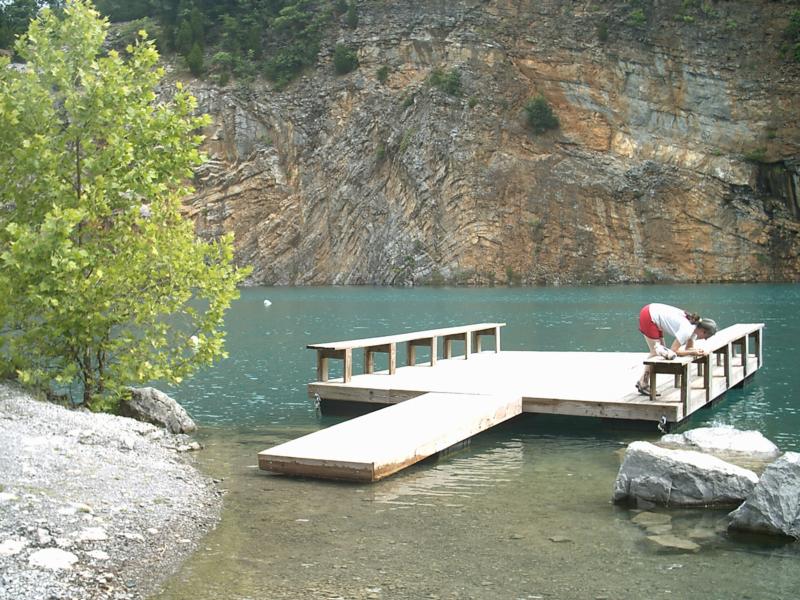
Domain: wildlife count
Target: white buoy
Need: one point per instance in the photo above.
(267, 303)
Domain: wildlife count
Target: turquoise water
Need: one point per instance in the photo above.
(523, 512)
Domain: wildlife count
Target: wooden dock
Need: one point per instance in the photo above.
(459, 395)
(383, 442)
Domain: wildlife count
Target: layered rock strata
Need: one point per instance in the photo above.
(677, 157)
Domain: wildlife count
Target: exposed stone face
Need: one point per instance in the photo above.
(345, 180)
(679, 478)
(773, 507)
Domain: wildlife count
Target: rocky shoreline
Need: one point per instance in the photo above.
(94, 505)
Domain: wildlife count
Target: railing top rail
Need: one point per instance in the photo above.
(404, 337)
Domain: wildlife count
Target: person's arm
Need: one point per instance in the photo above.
(689, 350)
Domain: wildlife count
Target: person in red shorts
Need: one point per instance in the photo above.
(657, 319)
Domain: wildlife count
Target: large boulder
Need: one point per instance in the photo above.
(726, 440)
(154, 406)
(680, 478)
(773, 507)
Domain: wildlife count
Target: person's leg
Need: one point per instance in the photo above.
(644, 380)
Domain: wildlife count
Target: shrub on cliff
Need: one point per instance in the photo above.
(791, 35)
(539, 115)
(449, 82)
(103, 283)
(345, 59)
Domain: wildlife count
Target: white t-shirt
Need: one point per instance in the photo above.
(672, 321)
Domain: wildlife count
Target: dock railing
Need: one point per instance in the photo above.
(723, 347)
(344, 350)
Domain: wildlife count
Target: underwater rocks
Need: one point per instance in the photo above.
(770, 504)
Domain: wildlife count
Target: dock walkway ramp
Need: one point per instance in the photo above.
(380, 443)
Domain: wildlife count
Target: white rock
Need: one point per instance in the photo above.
(680, 478)
(774, 505)
(6, 497)
(63, 542)
(92, 534)
(43, 536)
(724, 439)
(12, 547)
(52, 558)
(98, 554)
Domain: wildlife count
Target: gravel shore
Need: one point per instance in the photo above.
(94, 506)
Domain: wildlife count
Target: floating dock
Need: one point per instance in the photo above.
(448, 399)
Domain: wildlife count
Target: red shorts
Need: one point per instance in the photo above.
(646, 325)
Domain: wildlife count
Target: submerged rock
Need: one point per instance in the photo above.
(154, 406)
(680, 478)
(773, 507)
(672, 543)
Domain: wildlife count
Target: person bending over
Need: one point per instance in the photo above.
(657, 319)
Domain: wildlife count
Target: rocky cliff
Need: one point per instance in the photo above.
(677, 157)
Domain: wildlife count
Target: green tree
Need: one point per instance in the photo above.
(345, 59)
(194, 60)
(103, 282)
(539, 115)
(15, 17)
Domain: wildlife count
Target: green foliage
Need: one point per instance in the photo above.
(637, 17)
(472, 102)
(345, 59)
(540, 115)
(104, 283)
(123, 10)
(352, 15)
(791, 36)
(15, 15)
(602, 31)
(383, 74)
(756, 155)
(449, 82)
(194, 60)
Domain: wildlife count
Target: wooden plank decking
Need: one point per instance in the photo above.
(383, 442)
(444, 401)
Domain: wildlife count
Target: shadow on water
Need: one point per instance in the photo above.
(522, 511)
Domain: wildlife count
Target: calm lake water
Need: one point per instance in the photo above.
(523, 511)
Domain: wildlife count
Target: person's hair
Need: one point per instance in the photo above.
(709, 325)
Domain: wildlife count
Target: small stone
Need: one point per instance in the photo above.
(673, 543)
(98, 554)
(52, 558)
(650, 519)
(92, 534)
(5, 497)
(43, 536)
(516, 536)
(559, 539)
(659, 529)
(12, 547)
